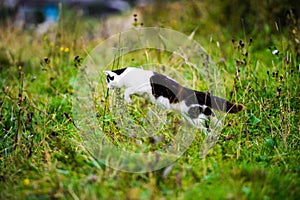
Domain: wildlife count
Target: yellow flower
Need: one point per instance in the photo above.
(26, 181)
(67, 49)
(61, 48)
(20, 67)
(294, 31)
(51, 44)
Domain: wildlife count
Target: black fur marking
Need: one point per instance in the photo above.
(195, 111)
(208, 112)
(170, 89)
(163, 86)
(217, 103)
(109, 78)
(119, 71)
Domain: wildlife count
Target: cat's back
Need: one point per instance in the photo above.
(136, 76)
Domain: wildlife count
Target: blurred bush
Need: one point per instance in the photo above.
(236, 16)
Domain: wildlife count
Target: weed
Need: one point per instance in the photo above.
(41, 147)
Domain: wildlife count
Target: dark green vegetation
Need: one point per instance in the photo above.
(256, 157)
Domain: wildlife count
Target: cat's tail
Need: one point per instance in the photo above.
(218, 103)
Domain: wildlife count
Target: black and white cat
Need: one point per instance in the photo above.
(169, 94)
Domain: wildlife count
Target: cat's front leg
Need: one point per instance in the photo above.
(128, 92)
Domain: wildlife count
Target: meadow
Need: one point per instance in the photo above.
(256, 154)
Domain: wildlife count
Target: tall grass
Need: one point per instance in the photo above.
(42, 157)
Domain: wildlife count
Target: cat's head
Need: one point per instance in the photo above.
(113, 78)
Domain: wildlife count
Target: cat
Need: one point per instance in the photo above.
(169, 94)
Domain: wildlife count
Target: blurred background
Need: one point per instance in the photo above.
(35, 13)
(235, 15)
(90, 21)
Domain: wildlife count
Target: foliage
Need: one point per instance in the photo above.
(256, 157)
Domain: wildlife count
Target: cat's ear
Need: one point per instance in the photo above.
(107, 72)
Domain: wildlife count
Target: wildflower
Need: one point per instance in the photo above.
(67, 50)
(275, 52)
(278, 91)
(20, 67)
(51, 44)
(61, 49)
(294, 31)
(26, 181)
(281, 77)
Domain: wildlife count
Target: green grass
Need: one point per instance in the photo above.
(41, 153)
